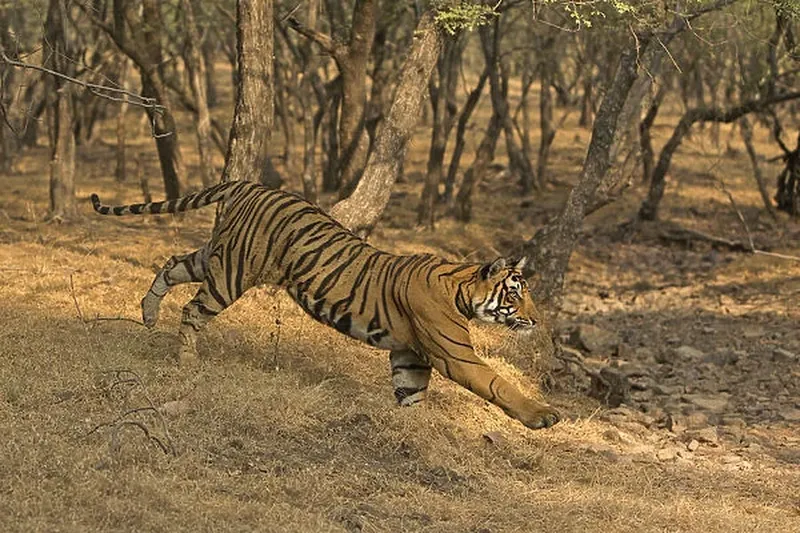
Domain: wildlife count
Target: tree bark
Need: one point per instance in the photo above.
(59, 54)
(747, 137)
(551, 247)
(196, 67)
(361, 211)
(645, 138)
(252, 121)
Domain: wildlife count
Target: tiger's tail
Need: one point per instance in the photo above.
(212, 195)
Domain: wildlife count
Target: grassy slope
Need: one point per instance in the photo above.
(290, 427)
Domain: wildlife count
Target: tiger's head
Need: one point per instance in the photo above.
(501, 296)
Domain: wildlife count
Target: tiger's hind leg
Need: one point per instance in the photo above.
(178, 269)
(205, 305)
(410, 377)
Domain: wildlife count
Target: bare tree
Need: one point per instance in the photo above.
(58, 56)
(248, 141)
(361, 211)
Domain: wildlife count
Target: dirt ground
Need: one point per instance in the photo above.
(288, 426)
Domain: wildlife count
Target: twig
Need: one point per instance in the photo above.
(138, 100)
(75, 301)
(115, 318)
(129, 377)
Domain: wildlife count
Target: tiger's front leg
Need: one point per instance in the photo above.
(410, 377)
(454, 358)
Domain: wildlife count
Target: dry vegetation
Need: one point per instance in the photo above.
(287, 426)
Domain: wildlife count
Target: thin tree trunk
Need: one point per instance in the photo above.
(119, 171)
(649, 208)
(361, 211)
(196, 67)
(547, 131)
(444, 112)
(461, 129)
(62, 139)
(645, 138)
(551, 247)
(462, 208)
(306, 96)
(747, 137)
(252, 121)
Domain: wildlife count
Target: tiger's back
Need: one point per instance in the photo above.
(417, 306)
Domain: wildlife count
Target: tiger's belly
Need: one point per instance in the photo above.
(362, 327)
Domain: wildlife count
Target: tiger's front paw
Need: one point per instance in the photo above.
(539, 416)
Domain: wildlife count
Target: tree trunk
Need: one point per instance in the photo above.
(747, 137)
(252, 121)
(306, 97)
(645, 138)
(547, 131)
(444, 112)
(196, 67)
(119, 171)
(361, 211)
(461, 129)
(462, 208)
(59, 54)
(551, 247)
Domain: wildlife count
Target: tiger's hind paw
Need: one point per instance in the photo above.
(150, 307)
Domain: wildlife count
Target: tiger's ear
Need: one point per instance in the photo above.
(487, 271)
(521, 263)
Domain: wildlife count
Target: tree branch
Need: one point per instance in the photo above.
(324, 41)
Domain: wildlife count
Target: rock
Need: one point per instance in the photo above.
(705, 436)
(733, 421)
(790, 414)
(722, 358)
(644, 354)
(667, 454)
(753, 332)
(716, 403)
(594, 339)
(779, 355)
(697, 420)
(611, 388)
(688, 353)
(693, 445)
(731, 459)
(667, 390)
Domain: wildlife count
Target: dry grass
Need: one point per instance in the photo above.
(291, 427)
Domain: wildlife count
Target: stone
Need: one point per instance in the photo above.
(731, 458)
(687, 353)
(596, 340)
(693, 445)
(716, 403)
(176, 408)
(722, 358)
(611, 387)
(779, 355)
(612, 435)
(707, 435)
(790, 414)
(697, 420)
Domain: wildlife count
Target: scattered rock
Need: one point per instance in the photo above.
(731, 458)
(667, 390)
(612, 435)
(707, 435)
(716, 403)
(753, 332)
(693, 445)
(594, 339)
(612, 387)
(790, 414)
(494, 437)
(779, 355)
(697, 420)
(722, 358)
(688, 353)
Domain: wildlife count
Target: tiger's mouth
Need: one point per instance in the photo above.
(522, 325)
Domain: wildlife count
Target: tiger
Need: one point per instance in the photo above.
(415, 306)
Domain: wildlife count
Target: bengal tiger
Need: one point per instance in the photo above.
(416, 306)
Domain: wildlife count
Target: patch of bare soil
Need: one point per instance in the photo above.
(287, 426)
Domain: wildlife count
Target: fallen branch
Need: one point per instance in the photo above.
(739, 214)
(685, 235)
(129, 377)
